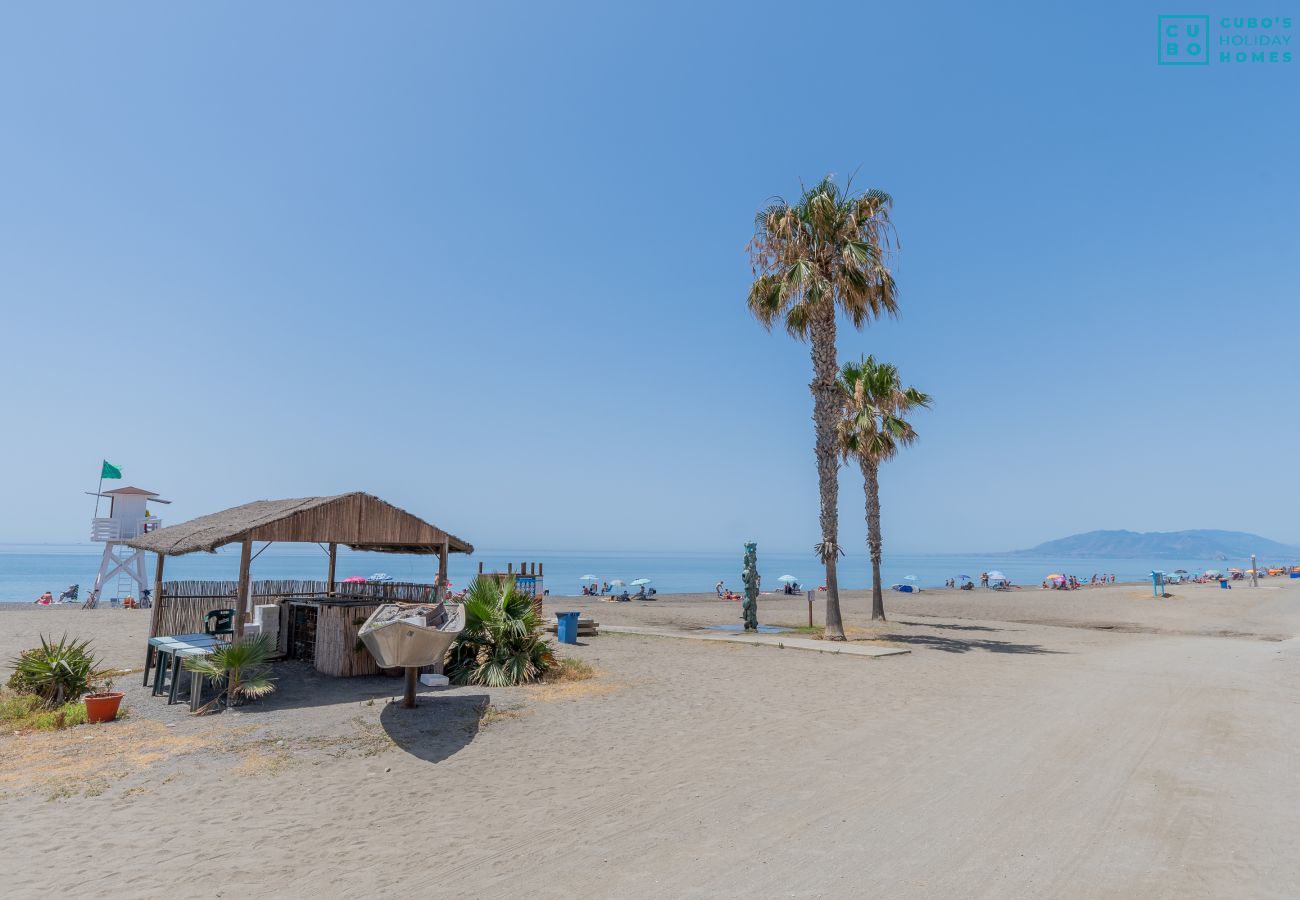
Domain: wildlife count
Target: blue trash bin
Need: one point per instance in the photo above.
(566, 627)
(1223, 582)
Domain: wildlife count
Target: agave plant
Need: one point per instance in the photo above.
(502, 643)
(56, 673)
(240, 668)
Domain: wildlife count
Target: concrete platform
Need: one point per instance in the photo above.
(787, 642)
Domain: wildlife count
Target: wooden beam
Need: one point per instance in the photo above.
(156, 614)
(442, 571)
(334, 558)
(241, 592)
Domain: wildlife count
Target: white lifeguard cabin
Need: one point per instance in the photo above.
(128, 517)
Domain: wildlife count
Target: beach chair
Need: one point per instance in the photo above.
(70, 595)
(115, 603)
(219, 623)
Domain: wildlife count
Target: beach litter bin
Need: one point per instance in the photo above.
(1223, 583)
(566, 627)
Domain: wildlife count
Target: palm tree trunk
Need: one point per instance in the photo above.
(871, 486)
(826, 408)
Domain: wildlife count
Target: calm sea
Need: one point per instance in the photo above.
(27, 570)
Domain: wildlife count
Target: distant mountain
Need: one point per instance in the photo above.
(1198, 544)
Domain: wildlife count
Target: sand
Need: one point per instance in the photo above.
(1093, 744)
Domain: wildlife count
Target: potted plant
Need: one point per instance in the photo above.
(102, 706)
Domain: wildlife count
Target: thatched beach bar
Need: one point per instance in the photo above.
(312, 620)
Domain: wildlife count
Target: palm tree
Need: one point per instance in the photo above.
(872, 431)
(812, 260)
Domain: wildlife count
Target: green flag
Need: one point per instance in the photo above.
(110, 471)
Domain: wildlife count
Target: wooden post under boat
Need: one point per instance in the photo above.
(334, 558)
(241, 591)
(408, 697)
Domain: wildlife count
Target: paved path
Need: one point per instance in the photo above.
(788, 642)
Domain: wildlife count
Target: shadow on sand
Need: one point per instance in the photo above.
(951, 627)
(440, 726)
(957, 645)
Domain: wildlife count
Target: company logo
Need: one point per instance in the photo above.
(1227, 40)
(1184, 40)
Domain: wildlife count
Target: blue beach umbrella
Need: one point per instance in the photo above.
(641, 581)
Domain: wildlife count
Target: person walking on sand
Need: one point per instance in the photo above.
(984, 579)
(717, 588)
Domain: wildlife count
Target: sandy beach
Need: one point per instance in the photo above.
(1098, 743)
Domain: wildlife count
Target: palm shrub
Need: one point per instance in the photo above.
(241, 668)
(56, 672)
(502, 642)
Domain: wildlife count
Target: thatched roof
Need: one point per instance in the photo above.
(356, 520)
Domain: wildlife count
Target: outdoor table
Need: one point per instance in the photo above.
(177, 647)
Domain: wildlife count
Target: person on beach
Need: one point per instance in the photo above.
(44, 599)
(984, 579)
(717, 588)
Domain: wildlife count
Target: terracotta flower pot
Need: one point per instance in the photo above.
(103, 707)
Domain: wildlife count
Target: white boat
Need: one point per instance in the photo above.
(411, 635)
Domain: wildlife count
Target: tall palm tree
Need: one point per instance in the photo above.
(872, 431)
(824, 255)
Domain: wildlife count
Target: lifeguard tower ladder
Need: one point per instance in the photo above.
(128, 517)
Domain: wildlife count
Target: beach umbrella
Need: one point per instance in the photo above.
(618, 582)
(997, 576)
(1211, 573)
(965, 578)
(788, 579)
(354, 579)
(380, 576)
(589, 578)
(1180, 571)
(640, 581)
(909, 578)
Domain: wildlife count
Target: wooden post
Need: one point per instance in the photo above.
(156, 615)
(810, 619)
(442, 571)
(334, 558)
(408, 696)
(241, 599)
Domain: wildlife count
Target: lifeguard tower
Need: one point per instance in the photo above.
(128, 517)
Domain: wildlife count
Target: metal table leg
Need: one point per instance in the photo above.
(176, 678)
(148, 663)
(159, 669)
(196, 691)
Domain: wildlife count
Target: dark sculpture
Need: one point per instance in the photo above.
(749, 608)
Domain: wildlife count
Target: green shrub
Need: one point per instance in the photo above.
(57, 673)
(21, 712)
(502, 643)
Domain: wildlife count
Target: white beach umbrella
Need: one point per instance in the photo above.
(909, 578)
(618, 582)
(589, 578)
(788, 579)
(997, 576)
(641, 581)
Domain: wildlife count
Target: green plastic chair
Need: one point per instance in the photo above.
(219, 622)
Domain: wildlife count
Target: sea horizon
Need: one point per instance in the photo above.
(27, 570)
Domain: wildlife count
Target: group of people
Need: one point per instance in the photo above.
(1073, 583)
(593, 590)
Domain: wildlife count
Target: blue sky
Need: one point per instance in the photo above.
(488, 261)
